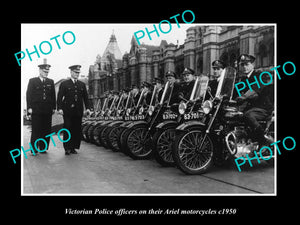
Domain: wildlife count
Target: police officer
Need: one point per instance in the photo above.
(246, 72)
(72, 94)
(159, 88)
(188, 84)
(218, 67)
(147, 93)
(174, 88)
(260, 107)
(41, 104)
(135, 94)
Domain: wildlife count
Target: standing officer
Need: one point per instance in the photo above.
(41, 104)
(72, 94)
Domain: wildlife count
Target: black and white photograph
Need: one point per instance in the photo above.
(170, 110)
(143, 109)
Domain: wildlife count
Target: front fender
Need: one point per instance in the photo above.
(193, 124)
(130, 125)
(115, 123)
(166, 123)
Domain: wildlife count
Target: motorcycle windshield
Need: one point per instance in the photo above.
(97, 106)
(152, 102)
(128, 101)
(199, 89)
(104, 104)
(112, 105)
(226, 83)
(140, 98)
(166, 94)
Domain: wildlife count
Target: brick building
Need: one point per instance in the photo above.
(203, 45)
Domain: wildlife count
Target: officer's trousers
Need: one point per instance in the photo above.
(41, 127)
(254, 115)
(73, 124)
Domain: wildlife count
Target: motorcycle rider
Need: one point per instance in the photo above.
(147, 93)
(135, 93)
(174, 87)
(260, 101)
(159, 85)
(218, 67)
(188, 84)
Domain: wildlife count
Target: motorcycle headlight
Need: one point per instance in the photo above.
(181, 108)
(207, 106)
(141, 110)
(150, 110)
(109, 112)
(128, 111)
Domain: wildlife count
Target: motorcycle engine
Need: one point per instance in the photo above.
(238, 143)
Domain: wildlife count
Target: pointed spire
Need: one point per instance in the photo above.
(113, 47)
(113, 37)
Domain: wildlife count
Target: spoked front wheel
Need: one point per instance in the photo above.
(163, 140)
(139, 143)
(193, 152)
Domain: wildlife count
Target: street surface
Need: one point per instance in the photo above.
(96, 170)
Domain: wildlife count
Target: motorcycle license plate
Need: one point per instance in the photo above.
(136, 117)
(192, 116)
(169, 116)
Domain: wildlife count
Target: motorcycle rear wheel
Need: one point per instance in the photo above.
(187, 155)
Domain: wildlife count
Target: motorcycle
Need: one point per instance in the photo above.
(186, 112)
(138, 136)
(110, 117)
(112, 129)
(220, 136)
(88, 121)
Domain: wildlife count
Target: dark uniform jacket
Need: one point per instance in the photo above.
(136, 98)
(251, 79)
(265, 98)
(187, 89)
(40, 96)
(147, 98)
(213, 84)
(174, 95)
(71, 97)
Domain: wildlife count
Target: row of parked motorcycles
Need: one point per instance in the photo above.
(192, 135)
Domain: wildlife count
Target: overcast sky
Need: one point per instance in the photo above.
(91, 40)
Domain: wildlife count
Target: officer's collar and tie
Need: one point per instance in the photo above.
(42, 79)
(75, 68)
(45, 67)
(74, 80)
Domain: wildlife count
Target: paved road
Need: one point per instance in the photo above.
(96, 170)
